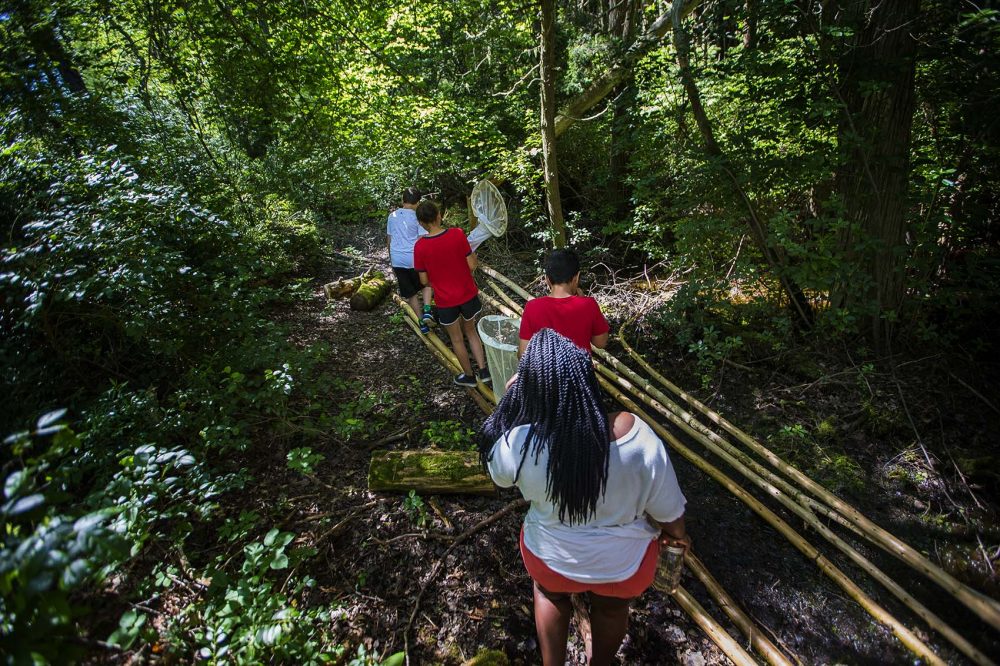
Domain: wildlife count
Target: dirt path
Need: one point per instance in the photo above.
(374, 552)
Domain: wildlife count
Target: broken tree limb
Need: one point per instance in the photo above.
(429, 472)
(370, 292)
(602, 86)
(478, 527)
(985, 608)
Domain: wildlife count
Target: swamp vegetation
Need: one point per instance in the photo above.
(790, 210)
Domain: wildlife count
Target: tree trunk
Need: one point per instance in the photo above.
(877, 88)
(548, 119)
(750, 29)
(429, 472)
(758, 231)
(604, 84)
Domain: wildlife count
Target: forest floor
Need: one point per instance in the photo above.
(376, 551)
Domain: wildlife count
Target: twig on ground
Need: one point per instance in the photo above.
(975, 393)
(478, 527)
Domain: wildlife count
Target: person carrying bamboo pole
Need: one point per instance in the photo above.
(444, 261)
(595, 481)
(401, 233)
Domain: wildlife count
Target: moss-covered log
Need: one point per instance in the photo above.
(370, 293)
(429, 471)
(343, 287)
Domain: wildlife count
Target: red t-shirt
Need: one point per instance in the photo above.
(443, 257)
(579, 318)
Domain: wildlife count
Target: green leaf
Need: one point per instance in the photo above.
(397, 659)
(279, 561)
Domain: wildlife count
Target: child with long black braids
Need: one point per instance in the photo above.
(596, 482)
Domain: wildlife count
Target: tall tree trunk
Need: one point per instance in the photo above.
(750, 29)
(758, 230)
(877, 87)
(622, 27)
(548, 120)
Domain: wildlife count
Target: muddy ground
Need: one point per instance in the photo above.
(375, 556)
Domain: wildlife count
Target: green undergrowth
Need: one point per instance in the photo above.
(146, 384)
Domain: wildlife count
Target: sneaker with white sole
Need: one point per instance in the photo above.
(463, 379)
(484, 376)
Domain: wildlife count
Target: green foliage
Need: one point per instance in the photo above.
(250, 617)
(413, 504)
(449, 434)
(51, 547)
(303, 459)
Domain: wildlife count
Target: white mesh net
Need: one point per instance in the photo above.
(499, 335)
(491, 211)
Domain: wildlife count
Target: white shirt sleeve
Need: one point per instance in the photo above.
(666, 501)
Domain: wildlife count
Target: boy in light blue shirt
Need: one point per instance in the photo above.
(402, 231)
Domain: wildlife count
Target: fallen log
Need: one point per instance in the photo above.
(344, 287)
(429, 472)
(370, 292)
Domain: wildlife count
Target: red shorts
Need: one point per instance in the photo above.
(633, 586)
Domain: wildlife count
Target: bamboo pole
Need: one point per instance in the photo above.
(726, 643)
(804, 506)
(907, 637)
(450, 367)
(806, 514)
(985, 608)
(761, 643)
(486, 391)
(492, 272)
(502, 294)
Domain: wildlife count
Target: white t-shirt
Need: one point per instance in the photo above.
(403, 230)
(609, 547)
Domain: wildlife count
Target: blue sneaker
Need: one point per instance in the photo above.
(463, 379)
(424, 328)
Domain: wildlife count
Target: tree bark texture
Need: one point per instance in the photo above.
(548, 118)
(877, 89)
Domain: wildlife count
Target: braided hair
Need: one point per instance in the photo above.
(557, 395)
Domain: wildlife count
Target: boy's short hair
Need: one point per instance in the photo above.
(411, 195)
(427, 211)
(561, 265)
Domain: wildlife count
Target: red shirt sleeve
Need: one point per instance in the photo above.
(600, 326)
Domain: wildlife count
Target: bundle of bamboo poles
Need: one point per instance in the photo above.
(790, 487)
(485, 398)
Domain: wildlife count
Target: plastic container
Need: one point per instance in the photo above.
(499, 335)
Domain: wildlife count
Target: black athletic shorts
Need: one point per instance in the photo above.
(468, 310)
(408, 280)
